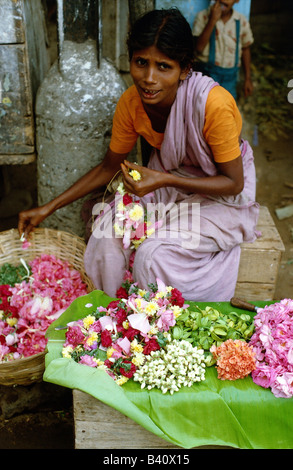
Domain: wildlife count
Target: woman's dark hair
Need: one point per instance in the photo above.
(168, 30)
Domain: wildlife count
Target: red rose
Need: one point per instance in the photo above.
(152, 345)
(106, 338)
(5, 290)
(130, 333)
(127, 199)
(121, 293)
(176, 298)
(113, 304)
(108, 363)
(121, 316)
(74, 335)
(128, 372)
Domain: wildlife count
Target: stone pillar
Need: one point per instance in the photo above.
(74, 109)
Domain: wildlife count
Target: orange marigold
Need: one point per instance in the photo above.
(235, 359)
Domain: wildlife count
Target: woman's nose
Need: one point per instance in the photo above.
(150, 75)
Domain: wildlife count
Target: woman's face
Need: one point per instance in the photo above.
(156, 76)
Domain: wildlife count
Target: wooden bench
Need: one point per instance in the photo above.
(260, 261)
(98, 426)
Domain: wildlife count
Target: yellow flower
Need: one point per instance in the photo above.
(159, 295)
(135, 175)
(150, 231)
(136, 243)
(110, 352)
(176, 310)
(138, 303)
(67, 351)
(151, 308)
(121, 189)
(136, 213)
(11, 321)
(135, 346)
(1, 314)
(88, 321)
(141, 292)
(122, 380)
(99, 362)
(120, 206)
(118, 229)
(138, 359)
(125, 325)
(92, 338)
(153, 331)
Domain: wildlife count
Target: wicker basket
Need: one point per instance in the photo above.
(64, 246)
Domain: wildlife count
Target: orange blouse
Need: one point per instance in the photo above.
(221, 130)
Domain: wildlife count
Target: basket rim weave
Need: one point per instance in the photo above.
(66, 247)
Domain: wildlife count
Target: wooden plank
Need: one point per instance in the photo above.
(253, 291)
(98, 426)
(260, 261)
(270, 237)
(259, 266)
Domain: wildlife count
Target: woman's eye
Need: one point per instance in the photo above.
(164, 66)
(140, 62)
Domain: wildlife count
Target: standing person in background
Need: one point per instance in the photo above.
(223, 40)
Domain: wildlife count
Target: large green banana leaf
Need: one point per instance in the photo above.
(213, 412)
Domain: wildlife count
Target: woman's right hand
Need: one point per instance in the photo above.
(29, 219)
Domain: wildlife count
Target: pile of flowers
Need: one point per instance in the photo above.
(273, 346)
(178, 364)
(235, 359)
(30, 306)
(119, 338)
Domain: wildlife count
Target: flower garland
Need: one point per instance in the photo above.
(131, 222)
(29, 307)
(273, 346)
(120, 337)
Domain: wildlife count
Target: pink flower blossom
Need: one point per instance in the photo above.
(88, 361)
(166, 319)
(273, 345)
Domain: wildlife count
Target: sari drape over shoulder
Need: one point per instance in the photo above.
(197, 248)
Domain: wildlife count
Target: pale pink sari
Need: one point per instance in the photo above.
(200, 258)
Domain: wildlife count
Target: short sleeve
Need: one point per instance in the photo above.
(223, 125)
(124, 135)
(246, 33)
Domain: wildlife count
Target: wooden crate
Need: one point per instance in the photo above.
(260, 261)
(98, 426)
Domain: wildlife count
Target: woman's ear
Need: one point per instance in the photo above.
(185, 73)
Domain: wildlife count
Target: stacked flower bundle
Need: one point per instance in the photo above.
(27, 308)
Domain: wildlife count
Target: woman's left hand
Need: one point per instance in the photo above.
(150, 179)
